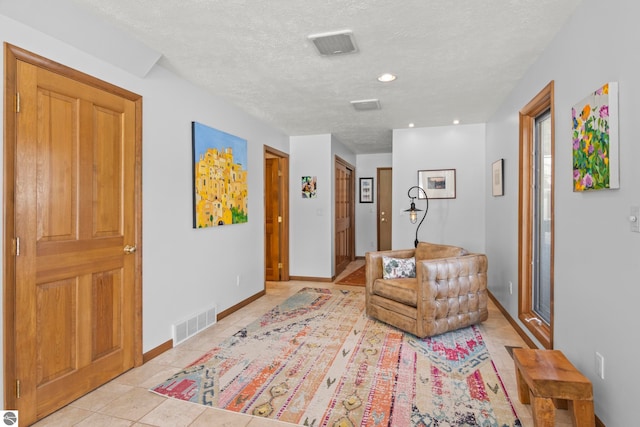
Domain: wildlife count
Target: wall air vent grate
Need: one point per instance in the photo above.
(335, 43)
(193, 325)
(366, 105)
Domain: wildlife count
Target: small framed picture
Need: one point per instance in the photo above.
(438, 183)
(366, 190)
(497, 184)
(309, 187)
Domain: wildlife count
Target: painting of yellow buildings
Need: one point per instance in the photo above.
(220, 177)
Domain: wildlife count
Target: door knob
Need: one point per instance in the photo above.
(382, 220)
(128, 250)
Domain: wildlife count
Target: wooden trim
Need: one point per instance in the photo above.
(512, 322)
(352, 209)
(138, 358)
(8, 296)
(543, 101)
(599, 422)
(378, 205)
(284, 206)
(55, 67)
(524, 336)
(240, 305)
(13, 54)
(283, 166)
(155, 352)
(313, 279)
(275, 151)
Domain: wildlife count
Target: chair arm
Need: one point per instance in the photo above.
(373, 262)
(448, 283)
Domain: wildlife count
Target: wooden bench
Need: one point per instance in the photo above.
(547, 380)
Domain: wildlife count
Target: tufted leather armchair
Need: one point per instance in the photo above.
(449, 291)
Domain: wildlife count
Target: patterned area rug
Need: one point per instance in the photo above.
(318, 360)
(357, 278)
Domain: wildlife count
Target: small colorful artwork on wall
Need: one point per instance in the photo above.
(220, 188)
(595, 140)
(309, 187)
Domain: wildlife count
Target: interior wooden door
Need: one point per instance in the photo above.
(344, 215)
(272, 217)
(385, 213)
(76, 295)
(276, 197)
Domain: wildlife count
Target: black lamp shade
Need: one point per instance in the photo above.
(413, 211)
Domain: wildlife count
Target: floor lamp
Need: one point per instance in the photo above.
(413, 211)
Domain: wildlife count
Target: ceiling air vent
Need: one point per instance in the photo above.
(335, 43)
(366, 104)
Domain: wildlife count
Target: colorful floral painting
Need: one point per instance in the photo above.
(595, 140)
(309, 187)
(220, 190)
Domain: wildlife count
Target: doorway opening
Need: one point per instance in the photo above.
(344, 215)
(276, 213)
(385, 213)
(72, 229)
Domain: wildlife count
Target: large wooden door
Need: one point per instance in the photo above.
(385, 214)
(276, 205)
(344, 215)
(272, 220)
(76, 297)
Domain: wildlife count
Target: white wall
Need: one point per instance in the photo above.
(340, 150)
(311, 236)
(597, 266)
(458, 221)
(184, 269)
(596, 256)
(310, 222)
(366, 213)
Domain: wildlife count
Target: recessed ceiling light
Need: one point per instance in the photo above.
(456, 122)
(386, 78)
(411, 125)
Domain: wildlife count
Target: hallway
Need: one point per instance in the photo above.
(126, 401)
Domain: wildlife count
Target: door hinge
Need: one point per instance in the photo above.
(279, 266)
(17, 389)
(279, 218)
(18, 102)
(16, 246)
(279, 172)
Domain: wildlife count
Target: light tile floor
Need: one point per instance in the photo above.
(127, 401)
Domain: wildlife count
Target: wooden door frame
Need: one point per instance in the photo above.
(378, 205)
(352, 210)
(283, 195)
(13, 54)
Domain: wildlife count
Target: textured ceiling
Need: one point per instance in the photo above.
(454, 59)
